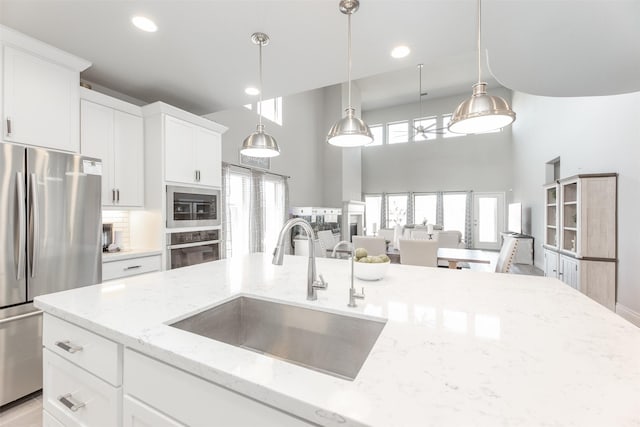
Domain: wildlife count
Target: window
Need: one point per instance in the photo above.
(396, 210)
(372, 211)
(272, 109)
(427, 123)
(378, 135)
(239, 191)
(398, 132)
(424, 208)
(238, 202)
(273, 210)
(454, 210)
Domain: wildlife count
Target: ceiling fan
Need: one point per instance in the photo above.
(422, 127)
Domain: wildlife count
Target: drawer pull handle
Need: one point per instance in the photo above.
(133, 267)
(68, 401)
(68, 347)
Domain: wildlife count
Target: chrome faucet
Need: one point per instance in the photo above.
(313, 284)
(353, 295)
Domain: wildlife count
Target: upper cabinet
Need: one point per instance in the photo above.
(193, 154)
(40, 93)
(192, 145)
(113, 131)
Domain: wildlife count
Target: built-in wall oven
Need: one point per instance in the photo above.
(192, 247)
(192, 207)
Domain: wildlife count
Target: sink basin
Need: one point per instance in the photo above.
(326, 342)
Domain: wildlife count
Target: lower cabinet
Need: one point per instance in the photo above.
(137, 414)
(594, 278)
(81, 390)
(191, 400)
(75, 397)
(130, 267)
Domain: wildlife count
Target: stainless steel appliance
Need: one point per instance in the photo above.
(192, 247)
(192, 207)
(50, 225)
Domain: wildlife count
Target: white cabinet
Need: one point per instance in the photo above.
(568, 271)
(193, 154)
(40, 93)
(137, 414)
(114, 132)
(82, 376)
(550, 263)
(118, 269)
(193, 401)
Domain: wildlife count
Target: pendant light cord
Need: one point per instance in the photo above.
(349, 55)
(479, 41)
(260, 97)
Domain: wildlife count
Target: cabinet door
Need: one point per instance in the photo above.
(550, 264)
(128, 149)
(40, 101)
(569, 271)
(179, 152)
(137, 414)
(96, 134)
(207, 157)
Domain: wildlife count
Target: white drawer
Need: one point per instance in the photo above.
(96, 354)
(130, 267)
(49, 421)
(193, 401)
(77, 398)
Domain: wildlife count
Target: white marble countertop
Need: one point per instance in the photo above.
(459, 348)
(128, 254)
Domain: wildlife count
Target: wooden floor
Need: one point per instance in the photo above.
(25, 412)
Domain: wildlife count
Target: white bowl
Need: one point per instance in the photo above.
(370, 271)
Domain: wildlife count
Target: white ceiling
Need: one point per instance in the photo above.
(201, 59)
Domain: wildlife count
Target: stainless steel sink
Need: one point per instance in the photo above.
(326, 342)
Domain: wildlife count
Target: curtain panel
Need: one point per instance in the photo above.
(256, 227)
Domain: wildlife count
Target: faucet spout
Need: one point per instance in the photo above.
(313, 284)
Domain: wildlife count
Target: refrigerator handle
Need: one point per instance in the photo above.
(34, 224)
(21, 223)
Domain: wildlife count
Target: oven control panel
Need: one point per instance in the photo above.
(193, 237)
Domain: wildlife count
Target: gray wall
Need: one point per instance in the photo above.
(474, 162)
(299, 140)
(592, 134)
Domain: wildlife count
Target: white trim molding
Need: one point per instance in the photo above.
(626, 313)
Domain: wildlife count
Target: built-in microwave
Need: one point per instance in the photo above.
(192, 207)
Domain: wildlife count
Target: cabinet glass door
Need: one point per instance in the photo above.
(551, 217)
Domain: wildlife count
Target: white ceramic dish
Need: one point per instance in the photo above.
(370, 271)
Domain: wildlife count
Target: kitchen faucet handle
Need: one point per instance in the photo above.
(321, 284)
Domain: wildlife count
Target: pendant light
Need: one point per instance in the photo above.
(259, 143)
(481, 112)
(349, 131)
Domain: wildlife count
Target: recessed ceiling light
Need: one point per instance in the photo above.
(400, 51)
(252, 91)
(145, 24)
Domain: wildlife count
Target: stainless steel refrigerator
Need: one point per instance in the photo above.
(50, 230)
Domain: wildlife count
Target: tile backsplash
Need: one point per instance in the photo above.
(120, 221)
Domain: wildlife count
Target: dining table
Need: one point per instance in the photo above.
(455, 255)
(451, 255)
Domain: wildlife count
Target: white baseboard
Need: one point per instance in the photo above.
(626, 313)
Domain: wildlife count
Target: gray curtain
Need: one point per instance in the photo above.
(226, 214)
(468, 221)
(383, 211)
(410, 218)
(287, 242)
(256, 231)
(439, 208)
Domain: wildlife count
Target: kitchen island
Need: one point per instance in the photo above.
(458, 348)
